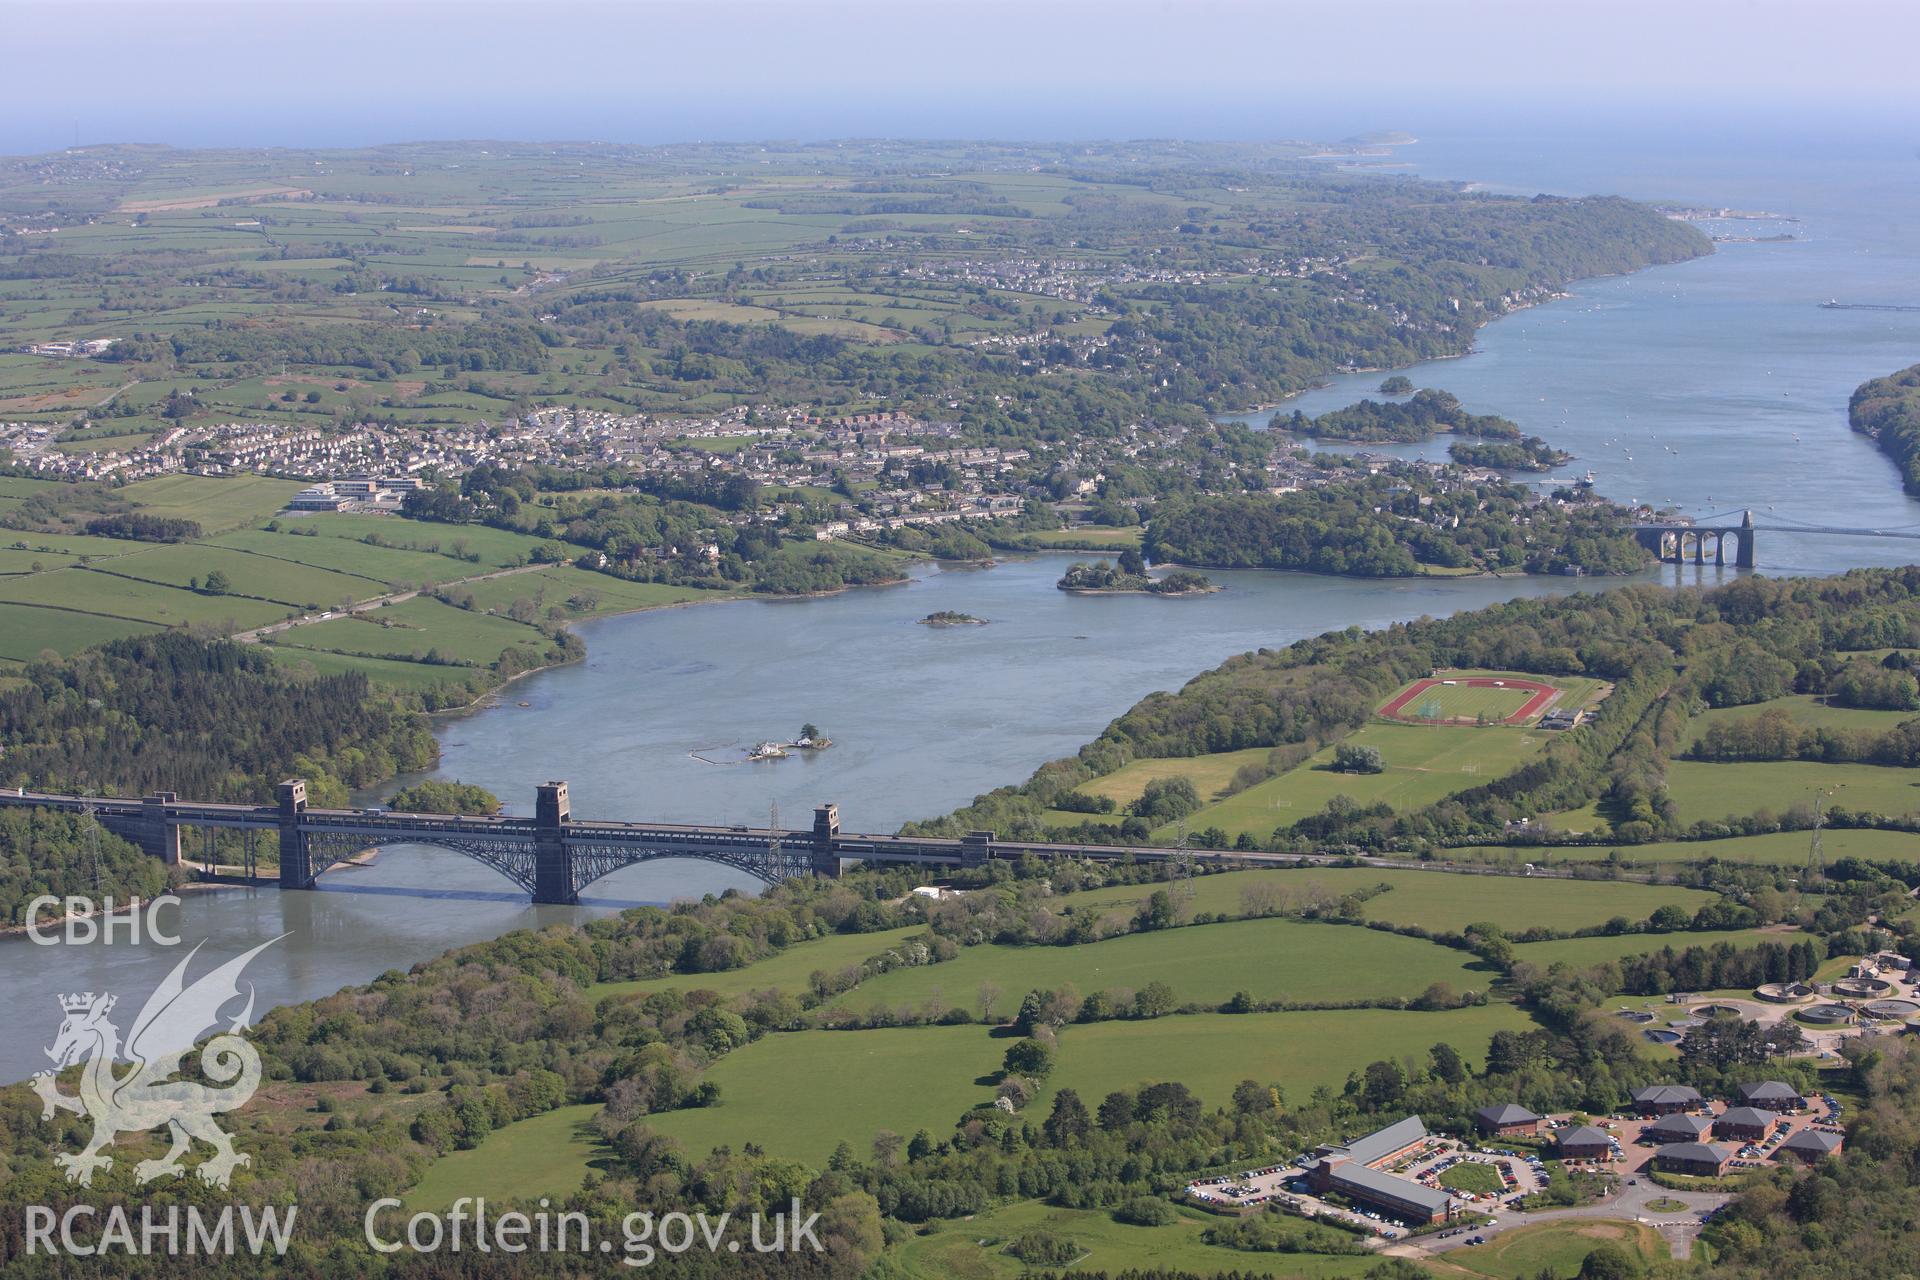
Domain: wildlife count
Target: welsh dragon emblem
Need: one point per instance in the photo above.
(145, 1096)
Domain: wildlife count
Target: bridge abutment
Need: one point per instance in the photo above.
(1687, 544)
(159, 837)
(553, 860)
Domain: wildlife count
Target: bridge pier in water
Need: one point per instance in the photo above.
(552, 859)
(296, 854)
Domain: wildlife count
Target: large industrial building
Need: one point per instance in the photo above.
(1355, 1170)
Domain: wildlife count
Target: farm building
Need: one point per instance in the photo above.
(1583, 1143)
(1694, 1159)
(1665, 1099)
(1677, 1128)
(1809, 1146)
(1744, 1124)
(1771, 1095)
(1507, 1119)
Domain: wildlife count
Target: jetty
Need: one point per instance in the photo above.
(1834, 304)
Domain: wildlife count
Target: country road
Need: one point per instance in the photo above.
(1678, 1227)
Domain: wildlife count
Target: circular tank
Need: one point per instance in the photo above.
(1715, 1011)
(1782, 992)
(1635, 1015)
(1662, 1037)
(1826, 1015)
(1862, 987)
(1894, 1008)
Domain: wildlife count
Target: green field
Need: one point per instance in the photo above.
(1209, 774)
(546, 1155)
(402, 675)
(1272, 959)
(1555, 1248)
(1212, 1052)
(909, 1078)
(1711, 791)
(903, 1079)
(27, 632)
(89, 591)
(411, 629)
(1779, 848)
(379, 566)
(1597, 950)
(1424, 763)
(216, 503)
(1435, 900)
(1805, 709)
(786, 970)
(562, 584)
(976, 1248)
(247, 574)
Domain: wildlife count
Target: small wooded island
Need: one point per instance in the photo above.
(1130, 577)
(949, 618)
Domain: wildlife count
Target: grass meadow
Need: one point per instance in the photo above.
(544, 1155)
(1804, 709)
(786, 970)
(1272, 959)
(1435, 900)
(1779, 848)
(1598, 950)
(1424, 763)
(1555, 1248)
(1710, 791)
(975, 1249)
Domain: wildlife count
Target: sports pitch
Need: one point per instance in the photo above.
(1478, 697)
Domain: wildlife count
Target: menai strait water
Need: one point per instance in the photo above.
(1708, 385)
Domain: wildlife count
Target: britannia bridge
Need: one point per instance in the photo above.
(552, 855)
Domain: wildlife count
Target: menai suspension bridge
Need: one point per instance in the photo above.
(1704, 540)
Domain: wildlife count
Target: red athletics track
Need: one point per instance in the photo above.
(1542, 695)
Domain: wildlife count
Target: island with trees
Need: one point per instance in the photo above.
(951, 618)
(1130, 577)
(1398, 522)
(1426, 414)
(1530, 453)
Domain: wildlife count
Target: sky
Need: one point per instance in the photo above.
(350, 72)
